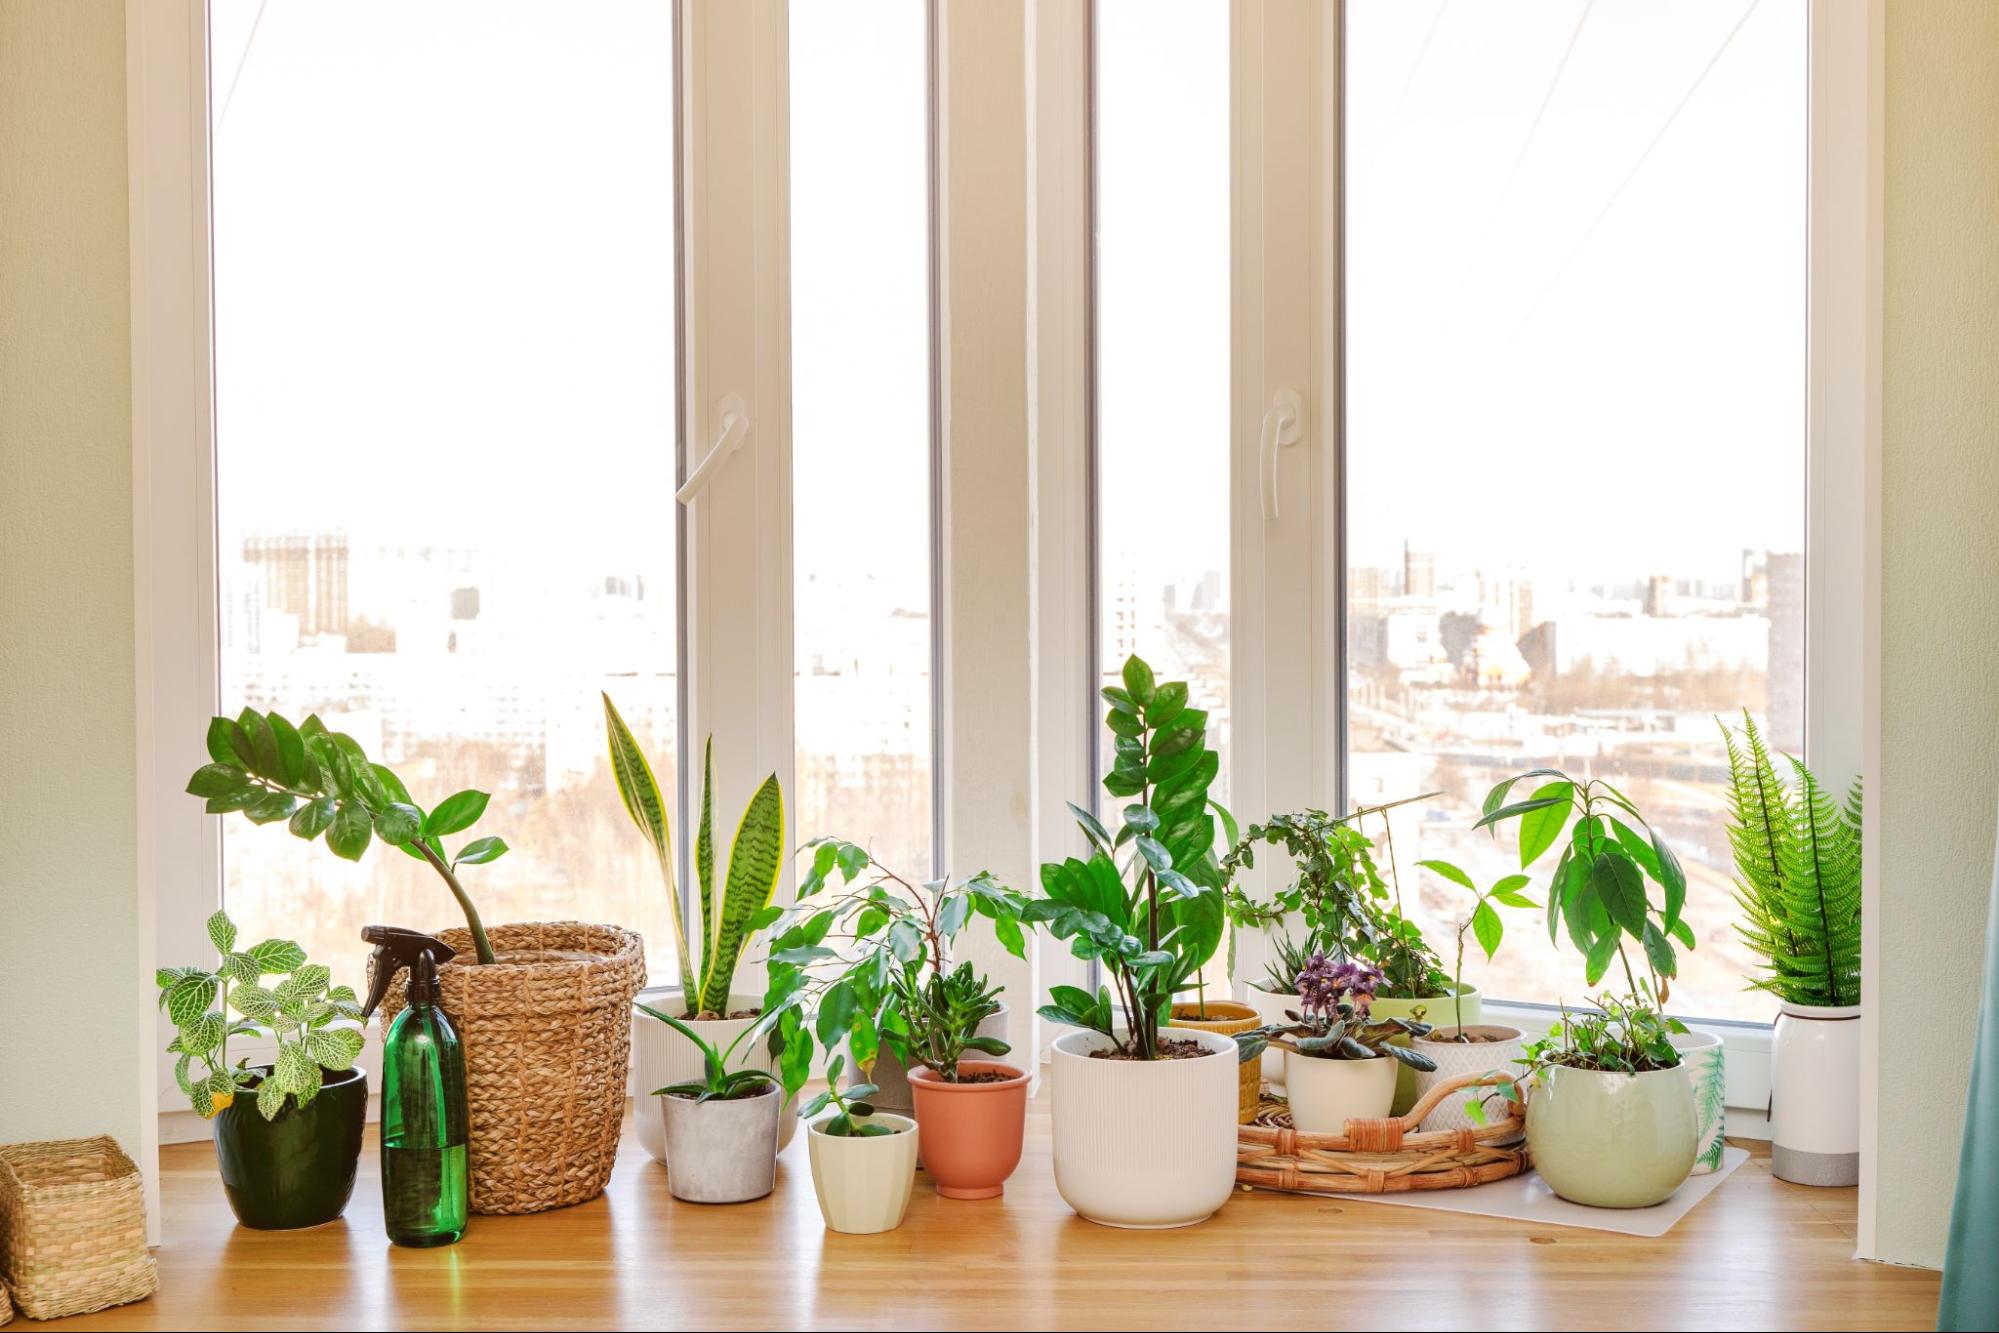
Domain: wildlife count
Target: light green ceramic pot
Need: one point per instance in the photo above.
(1439, 1012)
(1612, 1140)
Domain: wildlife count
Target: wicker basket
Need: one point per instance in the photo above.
(548, 1039)
(72, 1228)
(6, 1306)
(1387, 1156)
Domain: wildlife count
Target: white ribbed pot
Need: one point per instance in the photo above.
(664, 1057)
(1270, 1008)
(1612, 1140)
(1325, 1094)
(891, 1077)
(724, 1151)
(1456, 1058)
(1144, 1144)
(1815, 1095)
(1701, 1053)
(863, 1183)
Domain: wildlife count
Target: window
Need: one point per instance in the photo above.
(861, 436)
(1575, 440)
(445, 409)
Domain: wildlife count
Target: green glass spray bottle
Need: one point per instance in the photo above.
(424, 1176)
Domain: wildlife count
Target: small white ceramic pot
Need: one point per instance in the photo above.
(1270, 1008)
(1815, 1095)
(1439, 1011)
(1144, 1144)
(1455, 1059)
(1610, 1140)
(722, 1151)
(1701, 1053)
(863, 1183)
(1325, 1094)
(665, 1057)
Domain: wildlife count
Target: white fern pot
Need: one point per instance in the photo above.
(1270, 1008)
(1815, 1095)
(1325, 1094)
(1701, 1053)
(863, 1184)
(1144, 1144)
(1456, 1058)
(664, 1057)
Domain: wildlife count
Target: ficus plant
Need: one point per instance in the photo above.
(1483, 923)
(321, 781)
(867, 954)
(1147, 903)
(756, 857)
(299, 1011)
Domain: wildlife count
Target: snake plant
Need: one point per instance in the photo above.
(756, 857)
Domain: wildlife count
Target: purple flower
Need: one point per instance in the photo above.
(1323, 984)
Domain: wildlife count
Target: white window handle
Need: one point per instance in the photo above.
(735, 429)
(1282, 428)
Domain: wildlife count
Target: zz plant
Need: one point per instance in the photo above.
(298, 1010)
(756, 857)
(321, 781)
(1147, 903)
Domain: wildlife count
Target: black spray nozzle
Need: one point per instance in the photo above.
(396, 949)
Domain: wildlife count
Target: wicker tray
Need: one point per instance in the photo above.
(1387, 1156)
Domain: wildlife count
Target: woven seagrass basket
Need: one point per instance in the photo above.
(1386, 1156)
(547, 1030)
(72, 1228)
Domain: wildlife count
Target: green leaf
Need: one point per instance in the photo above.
(1519, 808)
(1485, 924)
(222, 932)
(481, 850)
(241, 969)
(351, 831)
(334, 1048)
(220, 747)
(270, 1099)
(455, 813)
(290, 750)
(1449, 872)
(1542, 822)
(190, 998)
(392, 785)
(1673, 880)
(756, 859)
(1138, 680)
(311, 819)
(1617, 882)
(278, 955)
(203, 1035)
(263, 746)
(217, 780)
(836, 1013)
(1660, 952)
(1167, 701)
(396, 823)
(270, 807)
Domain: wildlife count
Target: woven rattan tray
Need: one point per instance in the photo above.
(1386, 1156)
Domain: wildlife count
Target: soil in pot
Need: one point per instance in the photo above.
(972, 1127)
(721, 1151)
(1170, 1048)
(296, 1170)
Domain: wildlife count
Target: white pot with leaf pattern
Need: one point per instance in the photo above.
(1701, 1053)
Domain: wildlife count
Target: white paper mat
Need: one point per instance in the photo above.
(1527, 1199)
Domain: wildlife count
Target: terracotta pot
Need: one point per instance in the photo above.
(971, 1131)
(891, 1077)
(1227, 1017)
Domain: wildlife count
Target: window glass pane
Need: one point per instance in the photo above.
(445, 423)
(860, 365)
(1162, 348)
(1575, 427)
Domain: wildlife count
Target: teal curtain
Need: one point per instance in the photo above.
(1970, 1277)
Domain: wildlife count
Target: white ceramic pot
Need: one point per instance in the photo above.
(1144, 1144)
(726, 1150)
(664, 1057)
(1701, 1053)
(1270, 1008)
(891, 1077)
(1815, 1095)
(1609, 1140)
(1325, 1094)
(1439, 1011)
(863, 1183)
(1455, 1059)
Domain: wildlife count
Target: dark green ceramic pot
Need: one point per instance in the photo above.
(297, 1170)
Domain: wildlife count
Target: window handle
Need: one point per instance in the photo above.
(1282, 428)
(735, 429)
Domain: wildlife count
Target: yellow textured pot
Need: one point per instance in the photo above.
(1227, 1017)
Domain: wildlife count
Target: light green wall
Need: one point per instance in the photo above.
(70, 986)
(1937, 796)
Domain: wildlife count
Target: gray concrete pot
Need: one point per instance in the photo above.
(891, 1076)
(721, 1151)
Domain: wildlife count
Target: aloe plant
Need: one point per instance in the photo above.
(756, 857)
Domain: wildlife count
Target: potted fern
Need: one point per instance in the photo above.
(708, 1003)
(1797, 864)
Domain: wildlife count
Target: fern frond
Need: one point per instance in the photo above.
(1821, 897)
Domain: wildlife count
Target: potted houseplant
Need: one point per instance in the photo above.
(1276, 995)
(856, 952)
(553, 997)
(1454, 1046)
(721, 1128)
(1340, 1060)
(1144, 1114)
(972, 1112)
(708, 1002)
(863, 1160)
(1797, 861)
(1612, 1122)
(287, 1134)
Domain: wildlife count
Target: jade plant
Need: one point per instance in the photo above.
(1483, 922)
(868, 953)
(1147, 903)
(718, 1082)
(299, 1011)
(847, 1104)
(728, 918)
(1333, 1022)
(1797, 863)
(321, 781)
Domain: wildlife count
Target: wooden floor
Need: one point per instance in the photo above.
(1758, 1254)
